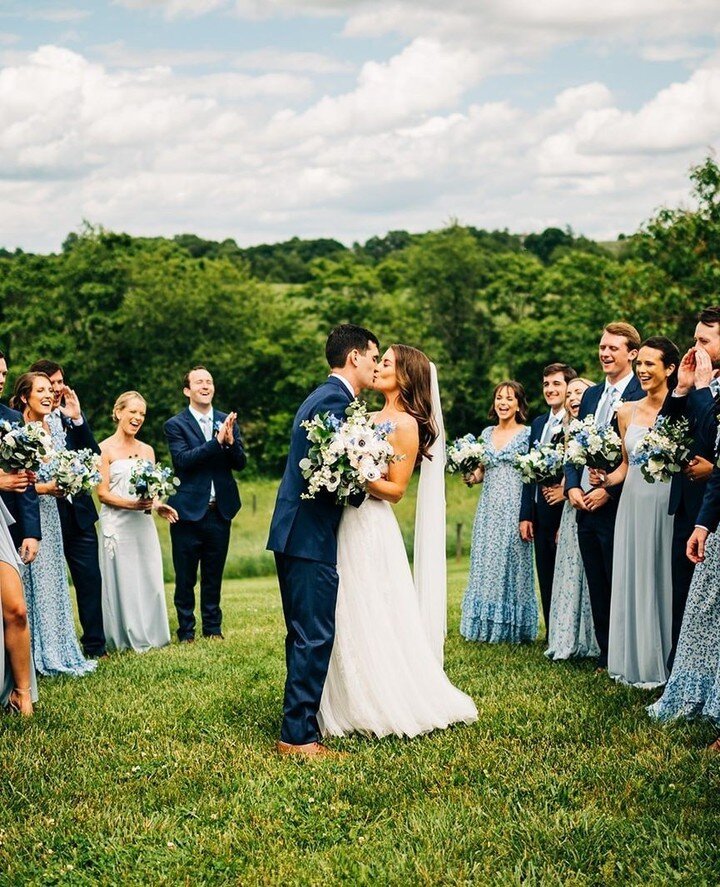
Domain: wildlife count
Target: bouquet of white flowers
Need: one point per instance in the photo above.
(345, 454)
(543, 464)
(150, 480)
(592, 446)
(465, 455)
(24, 447)
(75, 471)
(664, 450)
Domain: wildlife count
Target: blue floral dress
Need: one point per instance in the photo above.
(693, 689)
(55, 646)
(571, 631)
(500, 602)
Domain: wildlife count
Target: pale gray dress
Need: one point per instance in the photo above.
(641, 603)
(9, 555)
(133, 593)
(571, 631)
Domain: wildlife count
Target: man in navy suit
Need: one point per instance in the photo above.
(541, 507)
(597, 508)
(206, 448)
(79, 515)
(696, 398)
(18, 493)
(303, 535)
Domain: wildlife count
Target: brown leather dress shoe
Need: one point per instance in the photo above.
(308, 750)
(715, 746)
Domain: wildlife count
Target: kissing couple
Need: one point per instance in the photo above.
(364, 644)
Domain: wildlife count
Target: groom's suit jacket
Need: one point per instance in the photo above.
(200, 464)
(307, 528)
(24, 507)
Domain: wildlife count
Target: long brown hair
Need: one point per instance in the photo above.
(23, 389)
(412, 369)
(520, 397)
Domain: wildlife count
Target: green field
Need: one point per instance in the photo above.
(160, 770)
(247, 556)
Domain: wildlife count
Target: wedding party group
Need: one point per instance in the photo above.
(617, 489)
(51, 465)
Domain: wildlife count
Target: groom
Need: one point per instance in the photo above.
(303, 536)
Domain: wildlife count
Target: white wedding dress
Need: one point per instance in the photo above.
(384, 677)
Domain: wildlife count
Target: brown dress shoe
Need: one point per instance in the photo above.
(715, 746)
(308, 750)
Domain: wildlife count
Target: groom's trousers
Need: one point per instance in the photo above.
(309, 593)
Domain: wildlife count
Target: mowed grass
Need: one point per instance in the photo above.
(160, 770)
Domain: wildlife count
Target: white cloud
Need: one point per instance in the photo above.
(7, 39)
(67, 14)
(671, 52)
(175, 8)
(271, 59)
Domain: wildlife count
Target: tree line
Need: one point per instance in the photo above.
(121, 312)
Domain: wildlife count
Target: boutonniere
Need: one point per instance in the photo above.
(217, 425)
(615, 407)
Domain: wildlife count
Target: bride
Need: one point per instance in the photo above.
(386, 675)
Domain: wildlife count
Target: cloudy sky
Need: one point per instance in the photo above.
(264, 119)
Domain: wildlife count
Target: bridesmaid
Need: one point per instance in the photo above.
(571, 631)
(55, 646)
(693, 689)
(499, 602)
(134, 611)
(641, 604)
(18, 688)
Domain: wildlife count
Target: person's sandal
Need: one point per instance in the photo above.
(15, 705)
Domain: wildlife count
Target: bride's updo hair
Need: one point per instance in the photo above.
(123, 401)
(412, 369)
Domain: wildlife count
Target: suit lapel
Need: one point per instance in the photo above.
(193, 425)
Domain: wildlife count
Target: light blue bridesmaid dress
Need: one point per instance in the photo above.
(641, 603)
(500, 603)
(55, 645)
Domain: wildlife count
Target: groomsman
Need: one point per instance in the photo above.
(79, 515)
(206, 448)
(696, 398)
(597, 508)
(541, 507)
(18, 493)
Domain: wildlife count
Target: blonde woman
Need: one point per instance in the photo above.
(134, 610)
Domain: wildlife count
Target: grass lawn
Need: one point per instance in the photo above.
(159, 769)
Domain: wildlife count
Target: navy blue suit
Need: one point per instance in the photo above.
(80, 545)
(596, 529)
(24, 507)
(303, 535)
(202, 535)
(546, 523)
(686, 496)
(709, 516)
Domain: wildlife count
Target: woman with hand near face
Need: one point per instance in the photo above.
(640, 635)
(134, 611)
(55, 645)
(570, 629)
(499, 602)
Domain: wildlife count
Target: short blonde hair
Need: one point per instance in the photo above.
(124, 400)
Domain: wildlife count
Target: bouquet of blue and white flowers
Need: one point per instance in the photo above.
(664, 451)
(593, 446)
(543, 464)
(24, 447)
(74, 471)
(150, 480)
(345, 454)
(465, 455)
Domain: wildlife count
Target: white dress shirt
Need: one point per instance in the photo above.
(619, 386)
(552, 425)
(205, 421)
(345, 383)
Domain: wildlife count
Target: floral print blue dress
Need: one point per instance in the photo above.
(55, 646)
(693, 689)
(500, 602)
